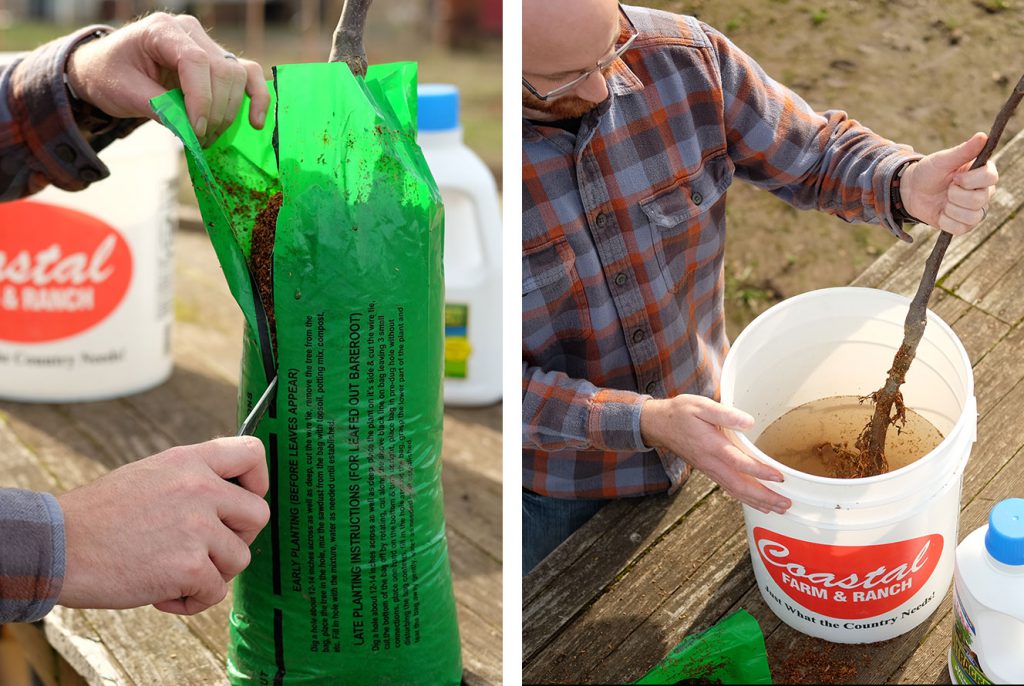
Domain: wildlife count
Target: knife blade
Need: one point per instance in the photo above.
(248, 426)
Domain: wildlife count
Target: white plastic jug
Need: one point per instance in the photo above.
(472, 252)
(988, 601)
(854, 560)
(86, 279)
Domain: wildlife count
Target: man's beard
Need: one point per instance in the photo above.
(565, 107)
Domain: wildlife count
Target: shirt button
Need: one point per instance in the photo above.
(65, 152)
(697, 198)
(651, 387)
(602, 220)
(638, 335)
(621, 279)
(89, 174)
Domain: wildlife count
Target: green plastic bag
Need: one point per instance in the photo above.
(350, 581)
(730, 652)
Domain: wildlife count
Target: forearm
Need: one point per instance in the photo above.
(32, 556)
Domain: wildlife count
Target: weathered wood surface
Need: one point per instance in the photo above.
(57, 447)
(615, 598)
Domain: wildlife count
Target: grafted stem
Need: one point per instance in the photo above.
(348, 36)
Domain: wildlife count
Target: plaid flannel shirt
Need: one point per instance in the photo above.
(31, 554)
(623, 237)
(40, 137)
(41, 143)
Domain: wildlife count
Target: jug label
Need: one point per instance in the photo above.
(456, 341)
(61, 271)
(964, 661)
(849, 582)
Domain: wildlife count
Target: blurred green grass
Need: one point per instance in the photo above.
(27, 35)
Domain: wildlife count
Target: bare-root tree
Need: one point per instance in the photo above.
(889, 409)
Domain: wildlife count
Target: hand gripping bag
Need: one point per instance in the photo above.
(329, 229)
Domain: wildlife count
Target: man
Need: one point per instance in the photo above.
(170, 530)
(635, 122)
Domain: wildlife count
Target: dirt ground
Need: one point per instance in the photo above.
(924, 73)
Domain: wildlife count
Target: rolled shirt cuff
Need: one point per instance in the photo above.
(39, 97)
(614, 420)
(883, 197)
(614, 424)
(33, 563)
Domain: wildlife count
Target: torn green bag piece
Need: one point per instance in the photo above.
(350, 581)
(730, 652)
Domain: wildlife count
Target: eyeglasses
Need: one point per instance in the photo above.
(602, 65)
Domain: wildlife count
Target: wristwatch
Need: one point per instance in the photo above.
(91, 120)
(899, 211)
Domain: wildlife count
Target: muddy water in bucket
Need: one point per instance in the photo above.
(854, 560)
(804, 437)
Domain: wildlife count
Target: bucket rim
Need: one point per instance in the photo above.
(968, 411)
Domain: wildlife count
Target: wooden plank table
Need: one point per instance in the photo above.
(58, 447)
(615, 598)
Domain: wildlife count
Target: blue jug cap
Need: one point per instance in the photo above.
(1005, 537)
(438, 107)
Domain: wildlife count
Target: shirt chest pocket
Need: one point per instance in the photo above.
(687, 220)
(554, 300)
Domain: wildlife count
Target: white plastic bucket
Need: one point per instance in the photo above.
(86, 279)
(854, 560)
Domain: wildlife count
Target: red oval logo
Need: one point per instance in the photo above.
(848, 582)
(61, 271)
